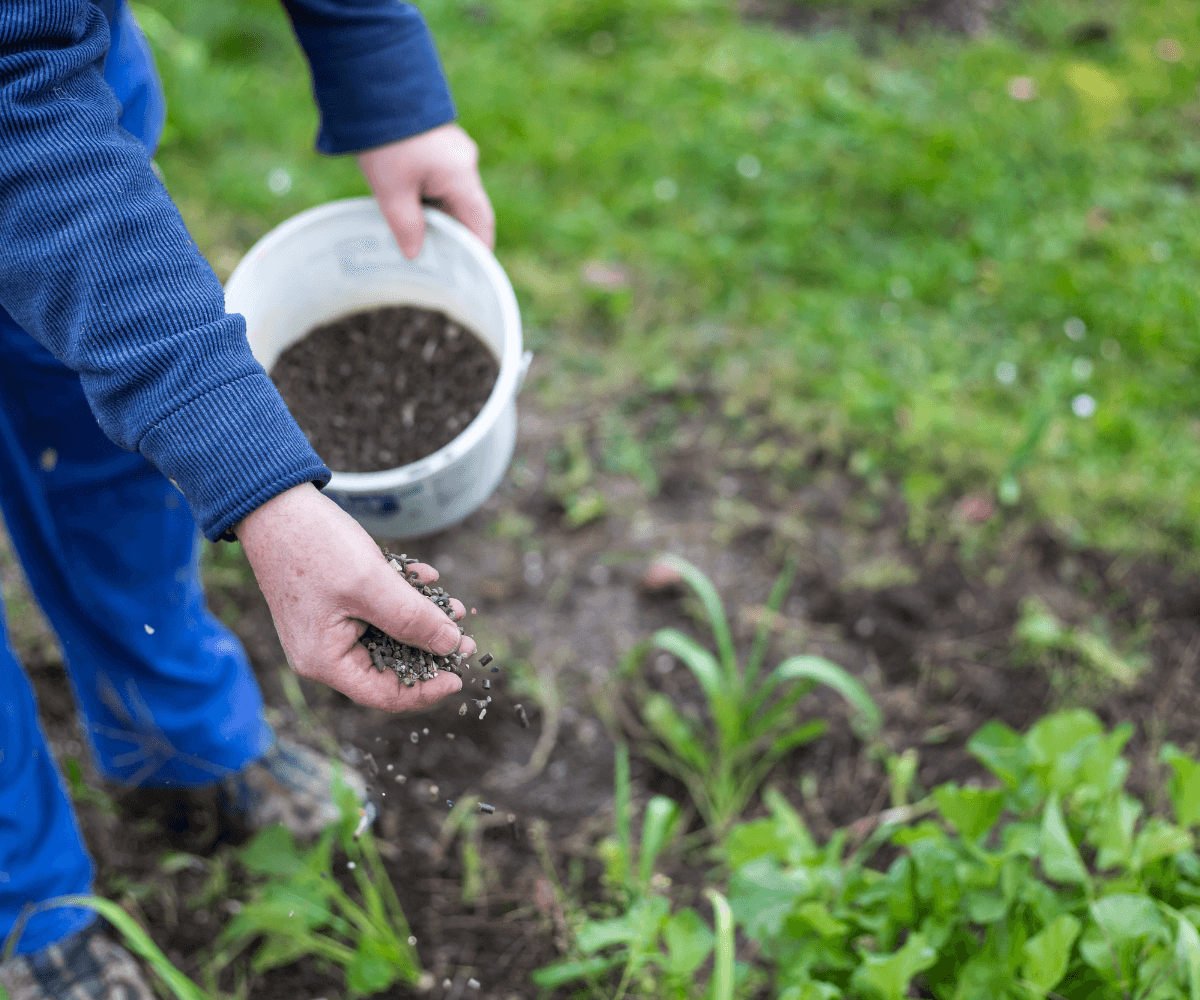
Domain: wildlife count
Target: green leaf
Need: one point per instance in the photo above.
(1120, 922)
(1002, 751)
(623, 810)
(1038, 627)
(370, 970)
(762, 895)
(985, 907)
(552, 976)
(816, 668)
(597, 934)
(1048, 953)
(697, 659)
(1060, 859)
(888, 976)
(1158, 839)
(722, 974)
(658, 827)
(136, 939)
(971, 811)
(762, 634)
(1054, 746)
(1114, 831)
(676, 732)
(639, 926)
(757, 839)
(1184, 786)
(711, 603)
(902, 774)
(818, 917)
(688, 941)
(802, 847)
(1187, 953)
(280, 949)
(272, 852)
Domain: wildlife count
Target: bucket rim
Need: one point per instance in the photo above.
(508, 379)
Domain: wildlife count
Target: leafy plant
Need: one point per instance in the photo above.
(1053, 884)
(646, 941)
(301, 909)
(752, 714)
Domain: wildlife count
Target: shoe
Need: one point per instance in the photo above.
(292, 785)
(88, 965)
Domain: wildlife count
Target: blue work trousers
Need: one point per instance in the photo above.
(164, 692)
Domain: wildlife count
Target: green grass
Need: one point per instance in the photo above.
(899, 227)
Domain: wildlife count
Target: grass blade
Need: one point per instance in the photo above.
(698, 660)
(138, 941)
(762, 635)
(817, 668)
(658, 829)
(722, 976)
(622, 805)
(711, 603)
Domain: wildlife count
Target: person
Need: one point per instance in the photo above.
(132, 413)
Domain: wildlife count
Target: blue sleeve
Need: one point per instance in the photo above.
(96, 264)
(375, 71)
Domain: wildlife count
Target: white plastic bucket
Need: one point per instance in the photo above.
(341, 258)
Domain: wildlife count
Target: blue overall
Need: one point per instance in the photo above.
(164, 692)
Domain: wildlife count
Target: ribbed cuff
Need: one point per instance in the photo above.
(369, 99)
(231, 450)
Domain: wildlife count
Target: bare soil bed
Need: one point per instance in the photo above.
(384, 388)
(927, 626)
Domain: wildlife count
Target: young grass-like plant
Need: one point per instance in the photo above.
(134, 935)
(753, 715)
(657, 951)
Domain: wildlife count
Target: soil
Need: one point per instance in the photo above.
(926, 624)
(386, 387)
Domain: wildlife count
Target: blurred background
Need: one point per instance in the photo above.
(951, 241)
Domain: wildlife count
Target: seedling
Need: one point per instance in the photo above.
(753, 717)
(647, 941)
(301, 909)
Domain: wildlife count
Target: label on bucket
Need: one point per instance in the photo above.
(370, 504)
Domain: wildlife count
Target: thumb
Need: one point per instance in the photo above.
(406, 221)
(392, 604)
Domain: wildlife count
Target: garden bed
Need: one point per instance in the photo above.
(929, 631)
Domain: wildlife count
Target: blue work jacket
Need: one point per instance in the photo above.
(97, 265)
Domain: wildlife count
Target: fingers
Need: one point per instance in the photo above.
(356, 678)
(468, 202)
(425, 572)
(406, 220)
(428, 575)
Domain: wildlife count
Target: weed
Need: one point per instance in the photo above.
(753, 715)
(659, 950)
(131, 931)
(1042, 637)
(300, 908)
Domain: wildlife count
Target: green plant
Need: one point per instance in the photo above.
(656, 950)
(1053, 884)
(300, 908)
(753, 721)
(1040, 634)
(131, 931)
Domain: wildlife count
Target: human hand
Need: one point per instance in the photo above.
(323, 576)
(441, 163)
